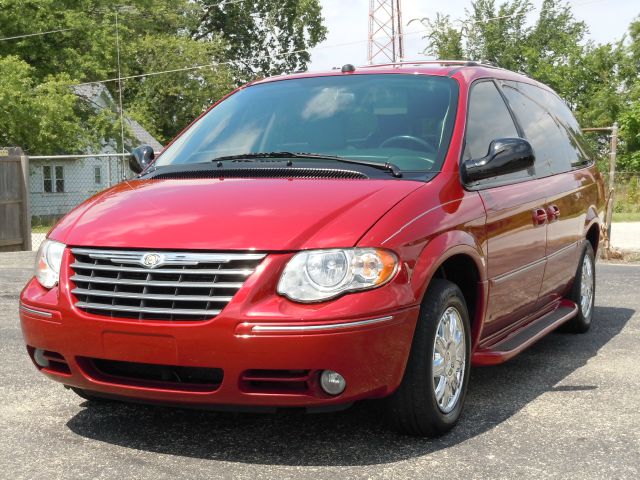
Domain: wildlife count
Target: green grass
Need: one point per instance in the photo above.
(626, 216)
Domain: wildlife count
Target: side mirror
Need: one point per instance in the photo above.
(506, 155)
(141, 157)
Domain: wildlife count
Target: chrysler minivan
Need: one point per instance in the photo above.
(313, 240)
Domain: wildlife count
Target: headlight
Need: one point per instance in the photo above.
(317, 275)
(48, 263)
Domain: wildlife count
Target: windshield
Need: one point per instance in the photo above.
(403, 119)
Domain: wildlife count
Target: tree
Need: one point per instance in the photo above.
(263, 37)
(630, 111)
(554, 49)
(153, 36)
(599, 82)
(444, 40)
(45, 117)
(497, 34)
(166, 103)
(156, 36)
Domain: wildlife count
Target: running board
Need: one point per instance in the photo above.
(523, 338)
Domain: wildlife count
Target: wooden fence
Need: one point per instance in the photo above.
(15, 219)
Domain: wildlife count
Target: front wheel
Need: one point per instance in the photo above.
(431, 395)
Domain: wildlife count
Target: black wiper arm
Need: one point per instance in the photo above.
(249, 156)
(395, 171)
(388, 166)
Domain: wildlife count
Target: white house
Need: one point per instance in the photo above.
(58, 185)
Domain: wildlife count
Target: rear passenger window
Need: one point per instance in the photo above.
(579, 153)
(488, 120)
(542, 131)
(549, 127)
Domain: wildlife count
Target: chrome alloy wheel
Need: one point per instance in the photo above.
(586, 287)
(449, 359)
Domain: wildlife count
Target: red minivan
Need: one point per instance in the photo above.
(317, 239)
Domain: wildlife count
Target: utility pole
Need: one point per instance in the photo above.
(612, 175)
(119, 100)
(386, 43)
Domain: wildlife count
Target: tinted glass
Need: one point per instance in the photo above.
(549, 126)
(542, 131)
(488, 119)
(404, 119)
(579, 153)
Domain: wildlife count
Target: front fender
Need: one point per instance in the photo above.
(429, 227)
(438, 250)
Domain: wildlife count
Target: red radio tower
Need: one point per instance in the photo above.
(385, 31)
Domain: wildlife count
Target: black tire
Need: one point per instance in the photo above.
(413, 408)
(582, 321)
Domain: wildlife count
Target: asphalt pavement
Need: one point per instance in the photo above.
(569, 407)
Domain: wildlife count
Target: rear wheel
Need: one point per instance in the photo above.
(583, 292)
(431, 395)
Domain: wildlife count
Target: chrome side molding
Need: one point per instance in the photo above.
(34, 311)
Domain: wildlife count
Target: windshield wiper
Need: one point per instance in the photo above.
(388, 166)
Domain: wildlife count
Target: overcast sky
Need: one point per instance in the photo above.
(347, 21)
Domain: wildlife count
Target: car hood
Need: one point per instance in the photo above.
(231, 214)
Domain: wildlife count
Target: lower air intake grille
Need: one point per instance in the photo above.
(170, 377)
(158, 285)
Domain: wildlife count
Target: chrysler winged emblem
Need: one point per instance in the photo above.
(151, 260)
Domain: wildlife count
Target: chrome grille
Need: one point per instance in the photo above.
(158, 285)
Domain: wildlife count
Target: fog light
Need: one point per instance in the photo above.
(332, 382)
(39, 358)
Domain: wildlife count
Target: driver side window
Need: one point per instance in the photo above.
(488, 119)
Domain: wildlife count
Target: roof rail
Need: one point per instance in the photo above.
(462, 63)
(416, 62)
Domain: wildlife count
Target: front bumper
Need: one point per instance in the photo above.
(369, 351)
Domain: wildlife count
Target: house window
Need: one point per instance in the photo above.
(97, 175)
(53, 179)
(46, 175)
(59, 179)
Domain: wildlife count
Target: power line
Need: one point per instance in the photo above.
(518, 14)
(151, 74)
(231, 2)
(37, 34)
(217, 64)
(284, 54)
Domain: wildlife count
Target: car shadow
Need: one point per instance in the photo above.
(357, 436)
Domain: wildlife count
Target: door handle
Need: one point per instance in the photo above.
(554, 212)
(539, 216)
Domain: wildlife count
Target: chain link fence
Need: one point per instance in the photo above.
(59, 183)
